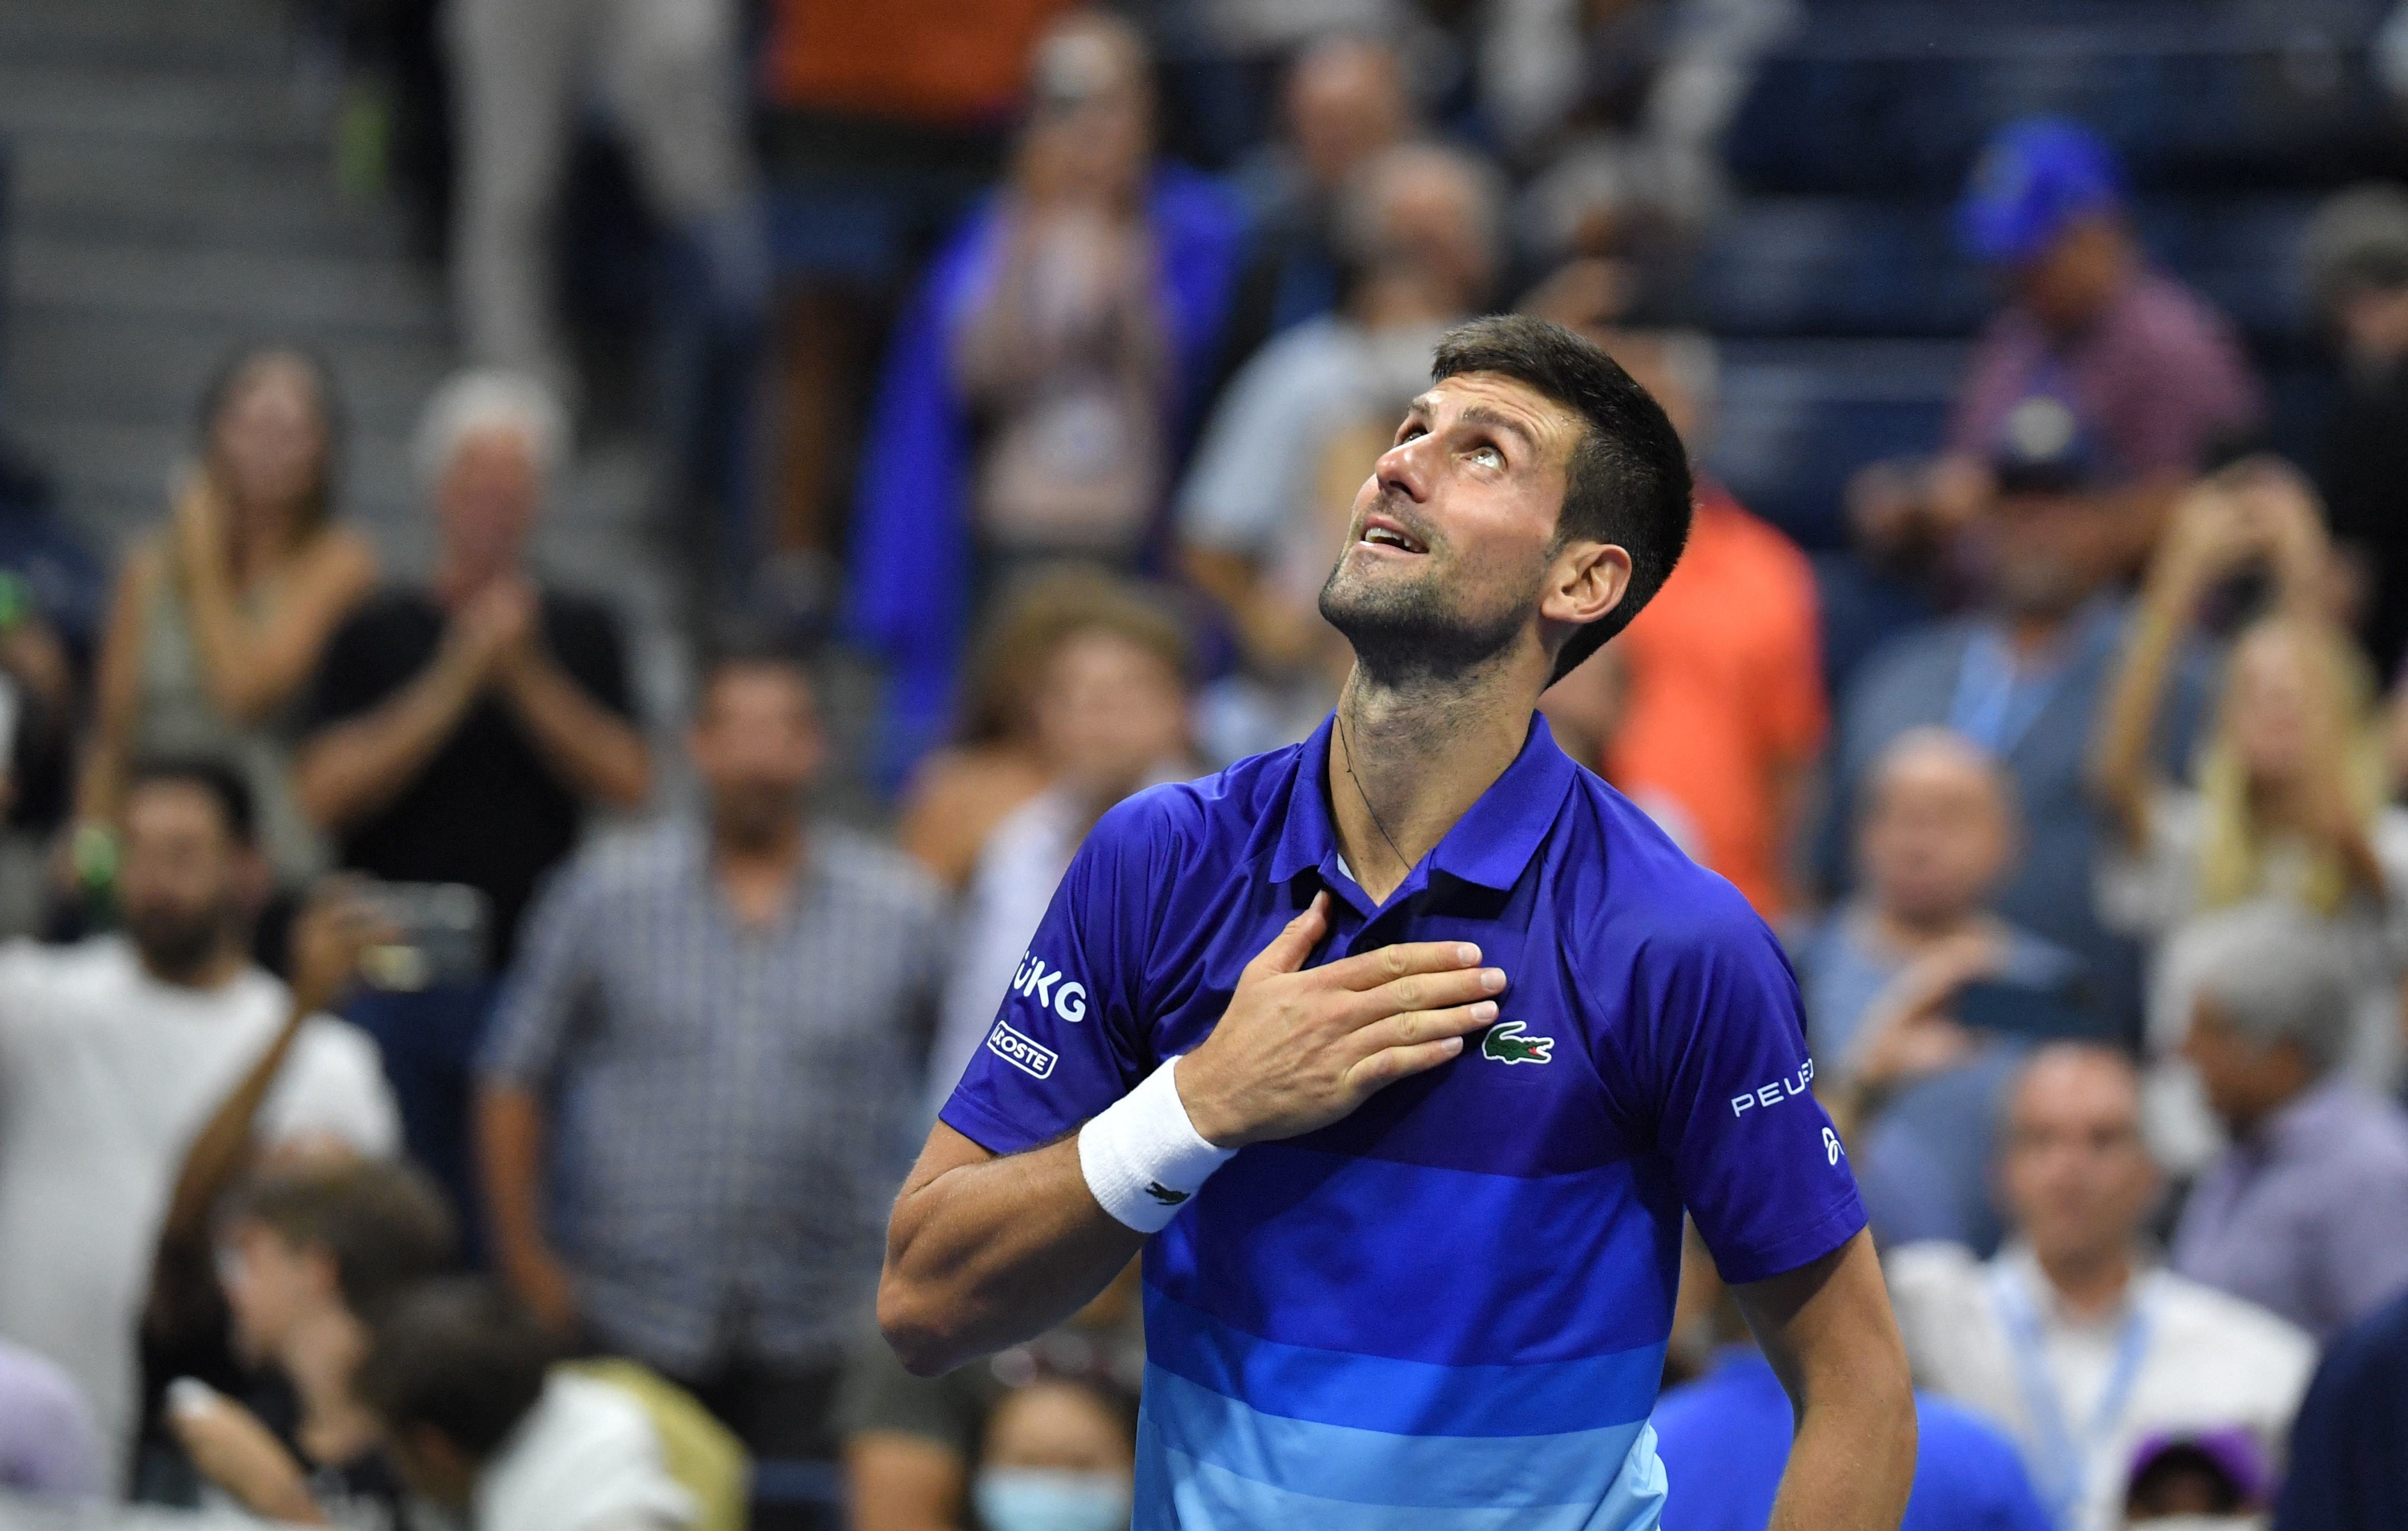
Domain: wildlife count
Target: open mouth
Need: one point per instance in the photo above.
(1386, 534)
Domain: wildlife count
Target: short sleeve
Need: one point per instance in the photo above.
(1069, 1037)
(333, 1086)
(358, 670)
(1755, 1160)
(585, 638)
(546, 984)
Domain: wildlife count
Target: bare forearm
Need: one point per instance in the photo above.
(511, 1130)
(984, 1253)
(357, 767)
(1827, 1329)
(1851, 1468)
(592, 747)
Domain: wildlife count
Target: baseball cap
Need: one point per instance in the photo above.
(2229, 1451)
(2034, 177)
(2045, 446)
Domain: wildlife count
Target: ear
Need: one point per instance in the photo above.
(1587, 581)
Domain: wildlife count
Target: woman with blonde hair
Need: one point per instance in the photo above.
(220, 617)
(2289, 801)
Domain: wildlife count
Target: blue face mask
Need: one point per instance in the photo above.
(1041, 1499)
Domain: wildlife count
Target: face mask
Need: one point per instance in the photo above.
(1040, 1499)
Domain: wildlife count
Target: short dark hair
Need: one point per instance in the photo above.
(217, 780)
(386, 1225)
(460, 1357)
(1627, 482)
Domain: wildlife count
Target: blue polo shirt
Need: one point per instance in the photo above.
(1448, 1309)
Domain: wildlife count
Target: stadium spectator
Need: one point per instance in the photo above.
(2355, 265)
(522, 74)
(1884, 973)
(2070, 1337)
(48, 1446)
(1263, 512)
(961, 791)
(1060, 1455)
(114, 1052)
(1036, 397)
(912, 1445)
(2024, 676)
(750, 999)
(485, 1427)
(2288, 797)
(1621, 109)
(459, 732)
(2145, 361)
(1344, 101)
(1112, 717)
(2307, 1212)
(1063, 357)
(1724, 1437)
(2217, 1479)
(881, 129)
(1723, 718)
(220, 617)
(312, 1257)
(2349, 1452)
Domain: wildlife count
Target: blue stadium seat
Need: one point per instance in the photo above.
(1797, 417)
(1851, 266)
(1895, 99)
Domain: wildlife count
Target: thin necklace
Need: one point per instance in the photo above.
(1364, 797)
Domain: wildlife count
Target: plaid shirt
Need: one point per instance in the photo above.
(732, 1104)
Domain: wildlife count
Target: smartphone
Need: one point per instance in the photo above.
(441, 933)
(2026, 1009)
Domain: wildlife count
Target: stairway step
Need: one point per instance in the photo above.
(142, 195)
(211, 34)
(317, 295)
(155, 106)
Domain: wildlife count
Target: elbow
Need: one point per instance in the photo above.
(923, 1331)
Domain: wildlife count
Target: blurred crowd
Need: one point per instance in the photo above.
(433, 1092)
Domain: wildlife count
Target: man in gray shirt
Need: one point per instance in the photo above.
(700, 1088)
(2307, 1212)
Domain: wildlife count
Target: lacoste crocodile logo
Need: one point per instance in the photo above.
(1506, 1044)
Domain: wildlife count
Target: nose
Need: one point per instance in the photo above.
(1407, 468)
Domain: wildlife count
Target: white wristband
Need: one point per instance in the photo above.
(1143, 1158)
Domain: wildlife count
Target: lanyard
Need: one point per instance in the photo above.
(1994, 707)
(2065, 1463)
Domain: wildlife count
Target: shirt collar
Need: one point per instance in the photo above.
(2022, 1268)
(1490, 845)
(2310, 1121)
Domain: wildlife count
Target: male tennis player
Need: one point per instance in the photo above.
(1408, 1046)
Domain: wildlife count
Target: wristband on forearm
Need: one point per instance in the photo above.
(1143, 1158)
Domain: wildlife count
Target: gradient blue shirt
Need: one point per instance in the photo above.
(1448, 1309)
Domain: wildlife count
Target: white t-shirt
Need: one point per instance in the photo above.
(586, 1459)
(2205, 1360)
(106, 1075)
(2153, 894)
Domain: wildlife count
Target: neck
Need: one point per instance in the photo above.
(2089, 1282)
(758, 873)
(1405, 762)
(1912, 933)
(218, 970)
(457, 579)
(321, 1360)
(2032, 634)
